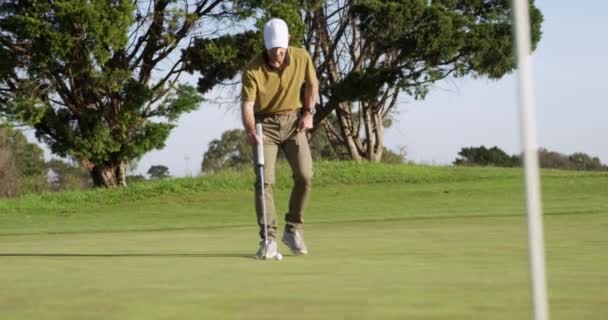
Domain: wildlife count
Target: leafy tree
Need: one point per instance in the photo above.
(158, 172)
(8, 171)
(21, 164)
(231, 150)
(372, 51)
(582, 161)
(552, 159)
(368, 52)
(29, 157)
(98, 80)
(482, 156)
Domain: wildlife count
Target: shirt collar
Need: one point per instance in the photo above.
(286, 62)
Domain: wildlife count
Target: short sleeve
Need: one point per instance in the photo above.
(249, 89)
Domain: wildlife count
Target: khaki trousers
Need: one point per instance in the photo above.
(280, 133)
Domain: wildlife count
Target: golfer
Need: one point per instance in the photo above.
(271, 96)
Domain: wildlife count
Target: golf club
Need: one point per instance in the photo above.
(260, 167)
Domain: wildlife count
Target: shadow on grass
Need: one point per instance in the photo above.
(129, 255)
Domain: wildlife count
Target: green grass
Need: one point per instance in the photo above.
(386, 242)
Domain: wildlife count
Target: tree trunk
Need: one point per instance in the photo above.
(109, 174)
(378, 137)
(347, 136)
(369, 136)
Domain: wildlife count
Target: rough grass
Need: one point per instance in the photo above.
(326, 174)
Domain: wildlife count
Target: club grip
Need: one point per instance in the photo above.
(260, 146)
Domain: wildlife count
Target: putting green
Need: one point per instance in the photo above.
(459, 268)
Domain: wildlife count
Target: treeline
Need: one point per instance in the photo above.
(482, 156)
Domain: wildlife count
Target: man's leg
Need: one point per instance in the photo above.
(298, 155)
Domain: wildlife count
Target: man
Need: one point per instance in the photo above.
(271, 96)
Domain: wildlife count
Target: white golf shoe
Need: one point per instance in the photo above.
(295, 241)
(267, 250)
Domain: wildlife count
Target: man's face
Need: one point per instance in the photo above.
(276, 56)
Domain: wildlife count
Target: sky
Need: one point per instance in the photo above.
(569, 70)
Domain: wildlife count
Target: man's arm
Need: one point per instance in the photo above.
(311, 90)
(248, 94)
(249, 122)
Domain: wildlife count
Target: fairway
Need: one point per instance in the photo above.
(445, 247)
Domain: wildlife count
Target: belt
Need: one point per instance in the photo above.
(277, 115)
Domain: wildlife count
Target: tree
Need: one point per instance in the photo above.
(231, 150)
(158, 172)
(29, 157)
(22, 167)
(98, 80)
(582, 161)
(371, 51)
(552, 159)
(368, 52)
(575, 161)
(546, 159)
(8, 171)
(482, 156)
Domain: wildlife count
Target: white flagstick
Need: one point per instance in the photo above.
(528, 131)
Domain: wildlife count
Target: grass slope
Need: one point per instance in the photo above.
(387, 242)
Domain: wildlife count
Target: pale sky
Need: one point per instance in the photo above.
(569, 70)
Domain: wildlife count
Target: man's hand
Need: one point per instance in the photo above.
(305, 122)
(253, 138)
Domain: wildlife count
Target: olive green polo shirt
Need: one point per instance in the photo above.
(275, 91)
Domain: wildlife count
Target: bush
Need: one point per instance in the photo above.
(67, 176)
(392, 157)
(481, 156)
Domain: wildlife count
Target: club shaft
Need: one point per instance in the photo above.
(263, 200)
(260, 164)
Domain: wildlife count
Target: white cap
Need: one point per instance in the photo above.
(276, 34)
